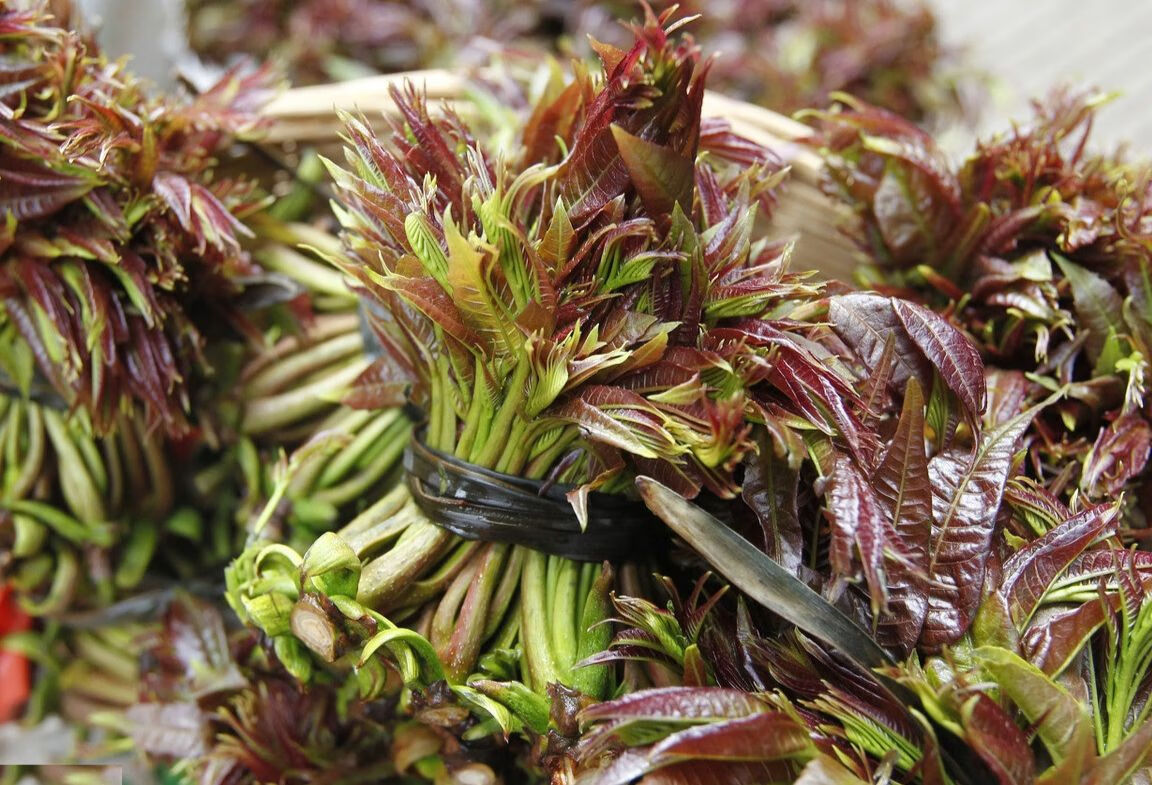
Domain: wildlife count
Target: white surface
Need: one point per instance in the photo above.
(49, 742)
(1032, 45)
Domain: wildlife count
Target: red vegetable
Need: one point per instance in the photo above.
(15, 670)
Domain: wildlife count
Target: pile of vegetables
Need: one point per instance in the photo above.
(533, 460)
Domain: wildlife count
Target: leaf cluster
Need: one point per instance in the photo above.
(120, 253)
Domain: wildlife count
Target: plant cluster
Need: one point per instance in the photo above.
(124, 290)
(911, 520)
(988, 535)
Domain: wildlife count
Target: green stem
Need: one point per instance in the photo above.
(467, 636)
(385, 578)
(323, 328)
(539, 663)
(516, 450)
(277, 411)
(372, 534)
(316, 277)
(505, 592)
(566, 606)
(541, 464)
(300, 365)
(429, 586)
(496, 440)
(473, 417)
(349, 457)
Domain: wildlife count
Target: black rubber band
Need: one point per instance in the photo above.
(480, 504)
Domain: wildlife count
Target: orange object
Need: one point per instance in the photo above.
(15, 670)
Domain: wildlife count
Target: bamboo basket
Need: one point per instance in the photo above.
(308, 116)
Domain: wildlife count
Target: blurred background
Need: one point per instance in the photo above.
(1026, 47)
(1003, 54)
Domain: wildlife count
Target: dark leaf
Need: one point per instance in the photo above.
(761, 737)
(966, 492)
(953, 355)
(901, 481)
(860, 526)
(662, 176)
(770, 490)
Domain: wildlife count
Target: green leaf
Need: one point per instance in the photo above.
(1059, 717)
(1098, 305)
(558, 241)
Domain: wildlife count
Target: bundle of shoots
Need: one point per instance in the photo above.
(121, 276)
(556, 317)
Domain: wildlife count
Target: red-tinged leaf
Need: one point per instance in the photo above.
(552, 119)
(911, 214)
(1039, 508)
(762, 737)
(434, 146)
(815, 391)
(1107, 562)
(215, 221)
(1007, 394)
(859, 526)
(998, 741)
(685, 479)
(177, 194)
(718, 138)
(771, 490)
(901, 481)
(1120, 453)
(953, 355)
(867, 323)
(428, 297)
(662, 176)
(677, 704)
(384, 384)
(622, 429)
(192, 656)
(1029, 573)
(1056, 635)
(967, 489)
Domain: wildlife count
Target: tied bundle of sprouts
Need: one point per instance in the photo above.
(554, 315)
(121, 275)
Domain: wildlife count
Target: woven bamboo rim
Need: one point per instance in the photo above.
(308, 116)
